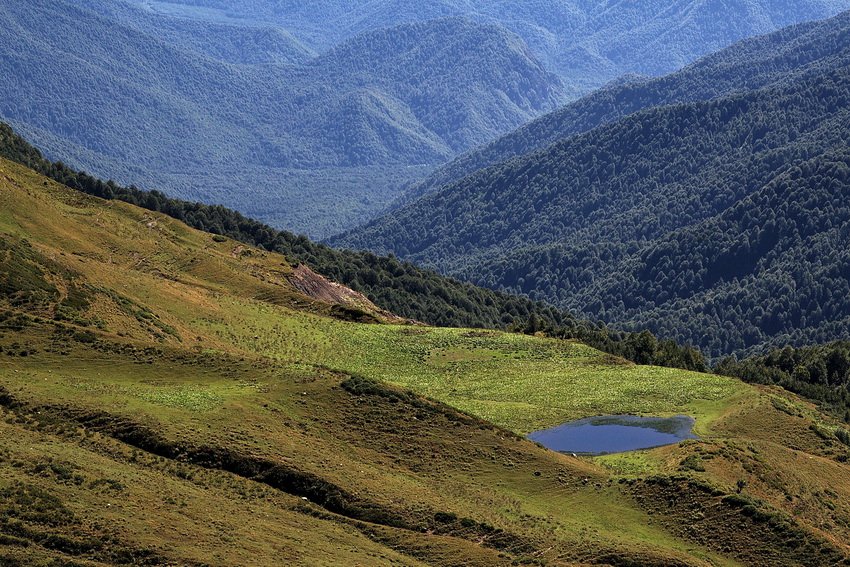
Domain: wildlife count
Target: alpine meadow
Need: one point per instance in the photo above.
(441, 283)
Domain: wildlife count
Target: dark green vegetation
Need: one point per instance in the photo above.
(722, 223)
(397, 286)
(586, 43)
(317, 144)
(262, 429)
(819, 373)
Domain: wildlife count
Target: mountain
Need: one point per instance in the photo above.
(229, 42)
(721, 223)
(427, 296)
(748, 65)
(325, 114)
(586, 43)
(175, 397)
(174, 105)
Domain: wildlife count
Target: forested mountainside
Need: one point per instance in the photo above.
(639, 222)
(586, 43)
(231, 42)
(396, 286)
(747, 65)
(315, 145)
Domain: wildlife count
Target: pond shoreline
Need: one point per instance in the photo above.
(611, 434)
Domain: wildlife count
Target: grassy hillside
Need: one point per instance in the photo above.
(401, 287)
(639, 221)
(169, 396)
(369, 116)
(819, 372)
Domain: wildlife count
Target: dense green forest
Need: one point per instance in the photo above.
(398, 286)
(820, 373)
(586, 43)
(719, 223)
(323, 142)
(747, 65)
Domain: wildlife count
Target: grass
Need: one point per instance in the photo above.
(520, 382)
(630, 464)
(200, 444)
(197, 520)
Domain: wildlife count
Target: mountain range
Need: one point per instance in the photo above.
(716, 217)
(448, 381)
(326, 114)
(587, 44)
(172, 106)
(749, 65)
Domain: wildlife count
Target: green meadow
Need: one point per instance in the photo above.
(521, 382)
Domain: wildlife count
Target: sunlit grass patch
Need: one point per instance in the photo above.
(632, 463)
(520, 382)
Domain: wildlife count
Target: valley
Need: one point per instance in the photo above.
(670, 215)
(323, 140)
(434, 283)
(324, 115)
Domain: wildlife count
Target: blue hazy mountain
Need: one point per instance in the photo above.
(586, 43)
(311, 141)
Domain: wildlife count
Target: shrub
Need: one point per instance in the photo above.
(692, 463)
(86, 337)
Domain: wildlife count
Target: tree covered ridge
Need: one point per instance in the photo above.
(392, 284)
(819, 373)
(637, 222)
(750, 64)
(586, 43)
(158, 102)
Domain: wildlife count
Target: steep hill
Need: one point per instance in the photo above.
(401, 287)
(639, 221)
(171, 397)
(586, 43)
(748, 65)
(172, 106)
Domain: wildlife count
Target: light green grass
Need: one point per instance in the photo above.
(520, 382)
(631, 464)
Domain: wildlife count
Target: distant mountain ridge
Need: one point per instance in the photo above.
(748, 65)
(127, 101)
(638, 220)
(225, 41)
(586, 43)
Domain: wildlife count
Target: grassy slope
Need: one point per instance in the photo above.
(188, 399)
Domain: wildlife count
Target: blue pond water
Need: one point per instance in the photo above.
(615, 434)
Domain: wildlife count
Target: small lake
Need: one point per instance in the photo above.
(615, 434)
